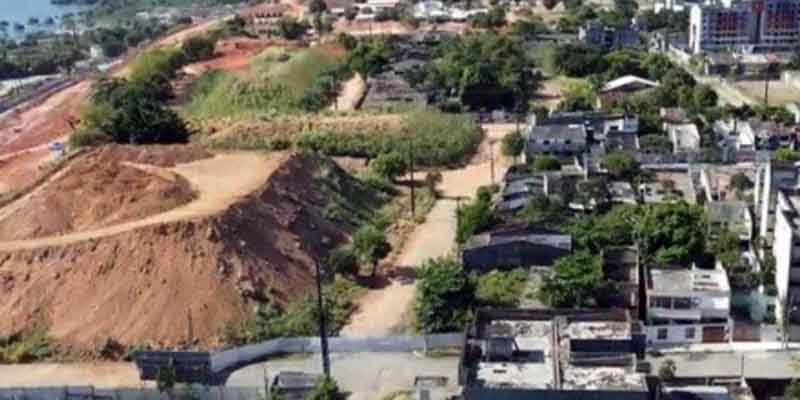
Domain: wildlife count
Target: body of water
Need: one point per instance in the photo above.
(20, 11)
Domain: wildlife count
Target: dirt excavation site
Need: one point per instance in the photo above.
(161, 245)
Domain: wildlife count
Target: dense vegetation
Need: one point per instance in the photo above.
(422, 129)
(134, 110)
(483, 70)
(300, 317)
(281, 82)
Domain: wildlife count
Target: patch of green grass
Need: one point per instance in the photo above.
(25, 347)
(273, 86)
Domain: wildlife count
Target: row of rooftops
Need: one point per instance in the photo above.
(553, 350)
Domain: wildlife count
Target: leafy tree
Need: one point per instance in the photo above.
(596, 232)
(512, 144)
(291, 29)
(659, 143)
(485, 70)
(317, 7)
(371, 245)
(350, 13)
(369, 57)
(593, 192)
(666, 372)
(389, 165)
(578, 60)
(621, 165)
(343, 260)
(501, 288)
(474, 217)
(543, 210)
(495, 18)
(546, 163)
(577, 97)
(726, 247)
(740, 182)
(574, 281)
(792, 391)
(786, 154)
(128, 113)
(197, 48)
(324, 389)
(672, 233)
(444, 296)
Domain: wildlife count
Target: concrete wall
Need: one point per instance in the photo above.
(227, 361)
(676, 334)
(88, 392)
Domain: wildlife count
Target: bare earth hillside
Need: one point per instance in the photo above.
(249, 231)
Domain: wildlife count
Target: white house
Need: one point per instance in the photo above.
(688, 305)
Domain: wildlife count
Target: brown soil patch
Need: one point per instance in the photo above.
(110, 185)
(42, 122)
(187, 277)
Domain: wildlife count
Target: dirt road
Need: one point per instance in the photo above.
(352, 92)
(219, 182)
(386, 311)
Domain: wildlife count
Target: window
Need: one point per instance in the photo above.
(661, 334)
(682, 303)
(660, 302)
(545, 142)
(568, 141)
(690, 332)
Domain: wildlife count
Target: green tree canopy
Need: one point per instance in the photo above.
(445, 296)
(371, 245)
(574, 281)
(484, 69)
(672, 233)
(621, 165)
(389, 165)
(513, 144)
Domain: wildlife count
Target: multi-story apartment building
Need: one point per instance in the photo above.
(688, 305)
(750, 26)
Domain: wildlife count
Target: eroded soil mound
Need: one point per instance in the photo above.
(174, 283)
(107, 186)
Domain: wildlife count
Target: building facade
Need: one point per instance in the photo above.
(688, 305)
(755, 26)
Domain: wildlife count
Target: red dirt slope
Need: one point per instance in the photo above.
(178, 282)
(108, 186)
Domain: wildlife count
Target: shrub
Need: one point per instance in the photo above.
(423, 129)
(324, 389)
(474, 217)
(27, 346)
(371, 245)
(198, 48)
(444, 296)
(575, 281)
(389, 165)
(501, 288)
(546, 163)
(513, 144)
(343, 260)
(88, 137)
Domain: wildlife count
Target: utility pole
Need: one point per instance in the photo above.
(491, 158)
(411, 170)
(323, 333)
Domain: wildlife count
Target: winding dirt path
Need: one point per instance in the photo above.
(387, 311)
(219, 182)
